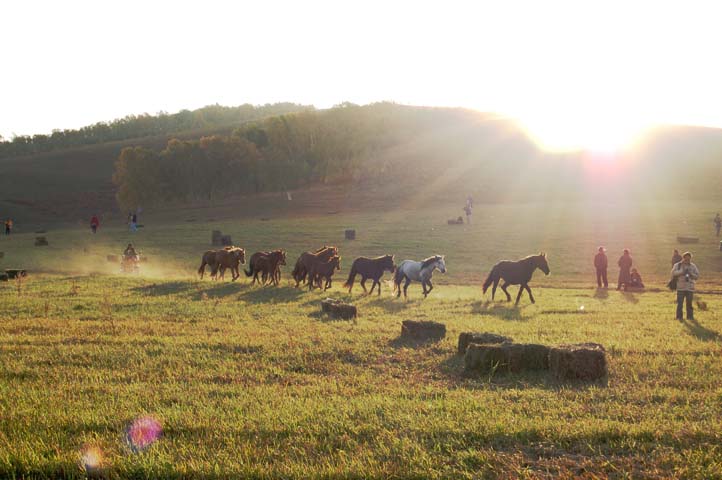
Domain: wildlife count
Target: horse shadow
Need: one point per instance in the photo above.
(486, 307)
(223, 290)
(165, 288)
(701, 332)
(391, 304)
(270, 294)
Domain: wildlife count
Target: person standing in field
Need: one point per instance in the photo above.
(686, 273)
(469, 202)
(94, 223)
(600, 264)
(625, 265)
(8, 226)
(676, 257)
(467, 210)
(717, 223)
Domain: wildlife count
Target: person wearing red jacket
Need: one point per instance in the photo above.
(94, 223)
(600, 264)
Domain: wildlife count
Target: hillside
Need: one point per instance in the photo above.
(386, 154)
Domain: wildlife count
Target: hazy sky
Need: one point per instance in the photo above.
(575, 72)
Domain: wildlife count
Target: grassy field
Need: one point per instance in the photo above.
(254, 382)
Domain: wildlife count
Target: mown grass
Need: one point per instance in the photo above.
(254, 382)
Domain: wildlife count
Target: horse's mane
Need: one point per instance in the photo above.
(428, 261)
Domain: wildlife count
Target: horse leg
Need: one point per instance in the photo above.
(521, 289)
(431, 286)
(406, 286)
(493, 289)
(373, 285)
(531, 297)
(503, 287)
(328, 284)
(363, 285)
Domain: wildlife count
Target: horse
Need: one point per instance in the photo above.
(372, 268)
(321, 270)
(307, 259)
(516, 273)
(267, 263)
(209, 258)
(230, 257)
(419, 271)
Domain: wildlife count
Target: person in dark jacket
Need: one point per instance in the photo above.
(635, 279)
(625, 265)
(676, 257)
(94, 223)
(686, 273)
(600, 264)
(717, 223)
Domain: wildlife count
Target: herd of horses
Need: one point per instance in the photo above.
(316, 269)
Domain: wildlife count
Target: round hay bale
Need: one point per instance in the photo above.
(350, 234)
(583, 361)
(484, 358)
(422, 330)
(338, 309)
(4, 277)
(466, 338)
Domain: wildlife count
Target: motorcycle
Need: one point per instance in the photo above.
(130, 264)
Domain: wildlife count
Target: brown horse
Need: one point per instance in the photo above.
(307, 259)
(372, 268)
(323, 270)
(268, 264)
(230, 257)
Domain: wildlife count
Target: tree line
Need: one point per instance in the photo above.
(138, 126)
(278, 153)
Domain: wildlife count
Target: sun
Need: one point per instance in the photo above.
(582, 131)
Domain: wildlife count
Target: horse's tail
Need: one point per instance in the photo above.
(493, 275)
(249, 272)
(398, 276)
(296, 270)
(351, 277)
(202, 268)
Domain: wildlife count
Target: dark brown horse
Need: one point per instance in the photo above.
(268, 264)
(307, 259)
(516, 273)
(372, 268)
(323, 270)
(229, 257)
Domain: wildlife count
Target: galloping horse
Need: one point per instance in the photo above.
(268, 264)
(372, 268)
(516, 273)
(307, 259)
(418, 271)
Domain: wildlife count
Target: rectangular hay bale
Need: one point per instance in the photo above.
(466, 338)
(422, 330)
(583, 361)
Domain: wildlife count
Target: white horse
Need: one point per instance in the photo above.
(418, 271)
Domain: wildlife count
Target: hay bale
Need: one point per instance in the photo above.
(41, 242)
(522, 357)
(466, 338)
(582, 361)
(485, 357)
(4, 277)
(422, 330)
(216, 236)
(226, 241)
(338, 309)
(681, 239)
(350, 234)
(15, 273)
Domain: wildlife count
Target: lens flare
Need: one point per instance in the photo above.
(91, 458)
(143, 432)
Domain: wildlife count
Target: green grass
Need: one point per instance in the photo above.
(254, 382)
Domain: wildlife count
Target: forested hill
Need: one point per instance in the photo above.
(145, 125)
(396, 152)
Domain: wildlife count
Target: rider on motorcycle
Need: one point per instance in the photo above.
(130, 253)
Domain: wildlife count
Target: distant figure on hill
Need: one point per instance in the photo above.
(676, 257)
(686, 274)
(470, 202)
(635, 279)
(132, 222)
(8, 226)
(94, 223)
(467, 210)
(717, 223)
(625, 264)
(600, 264)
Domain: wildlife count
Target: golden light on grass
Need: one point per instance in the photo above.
(91, 458)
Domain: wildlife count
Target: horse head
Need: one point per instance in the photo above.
(441, 263)
(281, 255)
(541, 263)
(336, 262)
(388, 263)
(241, 255)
